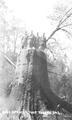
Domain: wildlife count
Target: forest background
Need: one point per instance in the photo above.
(56, 30)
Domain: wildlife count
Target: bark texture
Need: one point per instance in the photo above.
(33, 84)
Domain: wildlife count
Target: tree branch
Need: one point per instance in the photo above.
(60, 22)
(65, 19)
(66, 32)
(53, 33)
(67, 15)
(66, 25)
(8, 59)
(54, 39)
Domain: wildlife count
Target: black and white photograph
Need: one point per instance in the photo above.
(35, 60)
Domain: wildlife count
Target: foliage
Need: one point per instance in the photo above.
(63, 17)
(11, 35)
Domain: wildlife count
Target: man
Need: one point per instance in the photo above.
(24, 40)
(43, 43)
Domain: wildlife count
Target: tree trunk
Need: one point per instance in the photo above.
(33, 78)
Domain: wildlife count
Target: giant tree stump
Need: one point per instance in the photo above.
(32, 83)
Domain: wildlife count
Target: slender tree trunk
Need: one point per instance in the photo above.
(57, 29)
